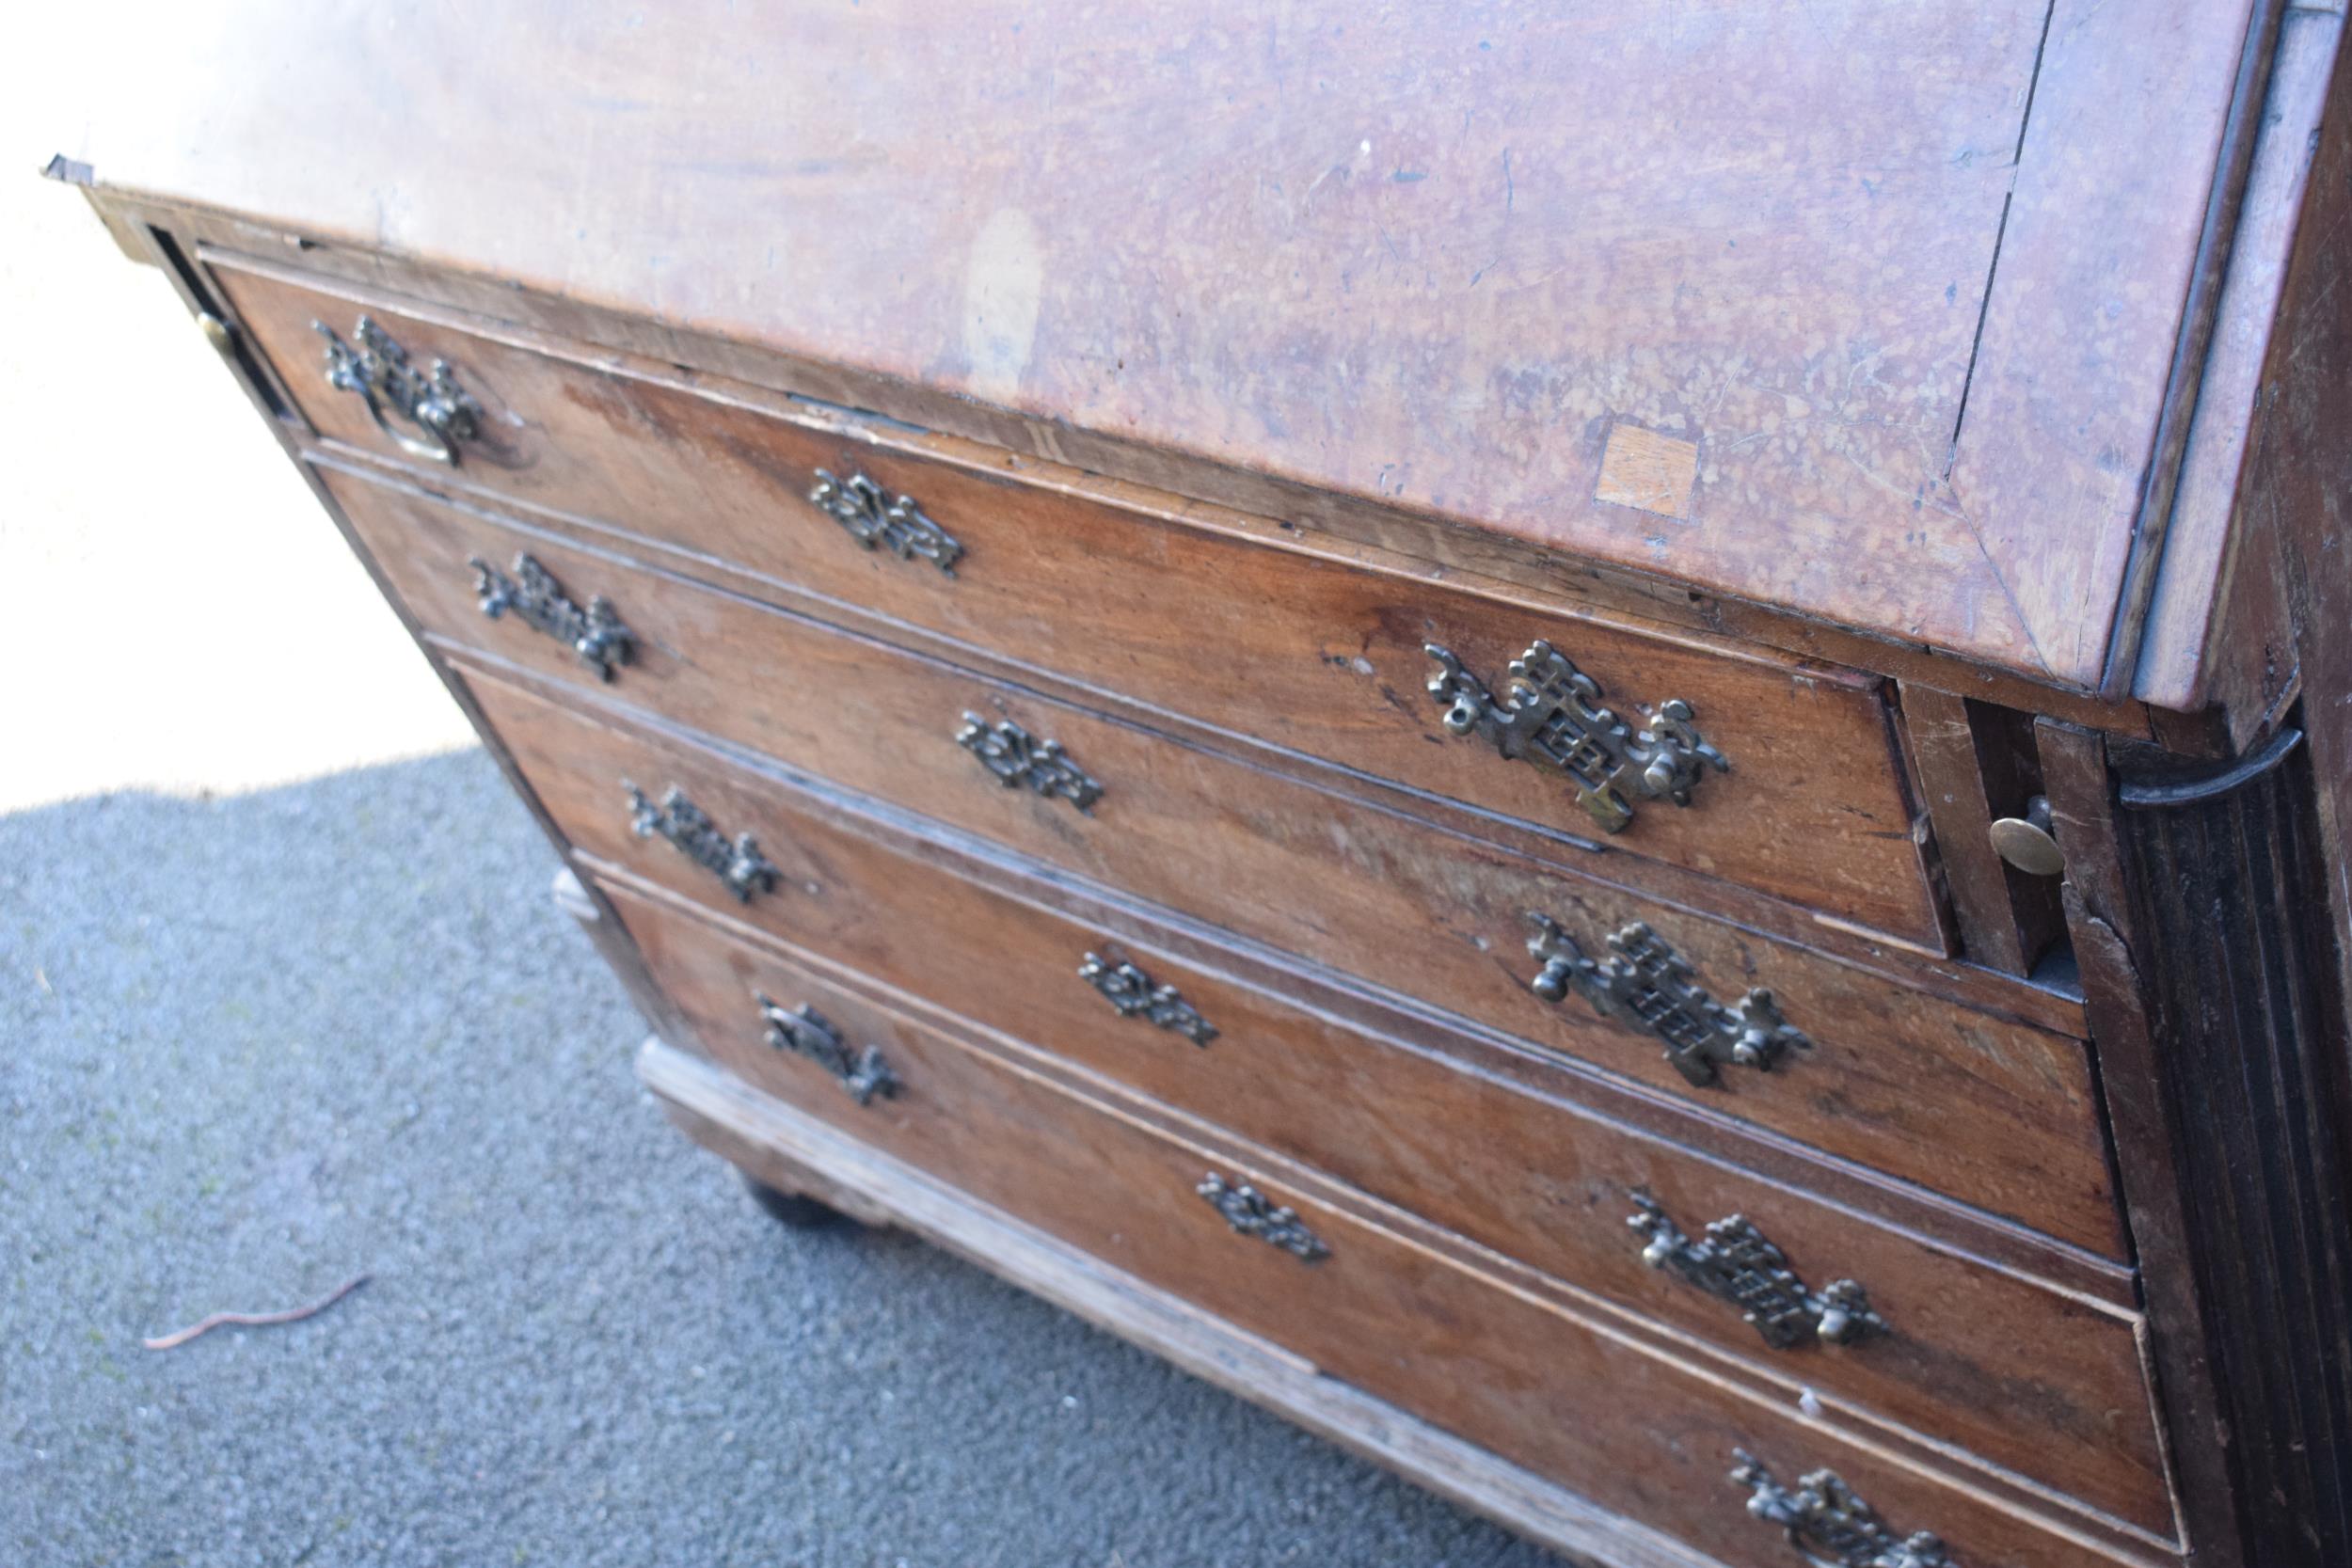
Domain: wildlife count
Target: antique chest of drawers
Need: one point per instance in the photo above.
(1604, 747)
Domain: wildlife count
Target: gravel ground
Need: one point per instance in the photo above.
(252, 1044)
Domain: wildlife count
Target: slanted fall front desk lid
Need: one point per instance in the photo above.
(1864, 310)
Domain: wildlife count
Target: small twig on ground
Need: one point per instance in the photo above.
(258, 1320)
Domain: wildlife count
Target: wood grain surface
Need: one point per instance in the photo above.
(1293, 650)
(1888, 1067)
(1368, 891)
(2045, 1385)
(862, 409)
(1426, 257)
(1540, 1383)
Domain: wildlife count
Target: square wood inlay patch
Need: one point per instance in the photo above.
(1643, 468)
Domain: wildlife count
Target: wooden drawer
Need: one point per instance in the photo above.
(1299, 651)
(1991, 1111)
(1499, 1150)
(1538, 1378)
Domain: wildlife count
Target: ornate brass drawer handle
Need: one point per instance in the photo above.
(1252, 1213)
(876, 519)
(1550, 715)
(805, 1031)
(596, 633)
(1017, 757)
(1829, 1525)
(379, 371)
(1646, 985)
(738, 865)
(1736, 1263)
(1132, 994)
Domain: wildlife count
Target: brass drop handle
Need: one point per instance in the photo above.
(1250, 1212)
(805, 1031)
(1132, 993)
(737, 863)
(1646, 985)
(595, 634)
(1018, 759)
(378, 371)
(1549, 715)
(1735, 1262)
(1829, 1525)
(879, 520)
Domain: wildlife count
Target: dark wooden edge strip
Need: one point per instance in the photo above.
(2140, 1139)
(2043, 1004)
(2242, 986)
(1465, 555)
(1930, 1218)
(780, 1145)
(2220, 1029)
(1925, 836)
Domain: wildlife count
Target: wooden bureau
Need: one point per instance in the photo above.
(1606, 749)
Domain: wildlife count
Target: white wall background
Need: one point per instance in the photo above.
(176, 612)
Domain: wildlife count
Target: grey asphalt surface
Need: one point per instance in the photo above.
(254, 1044)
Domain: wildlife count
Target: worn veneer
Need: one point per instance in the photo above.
(1300, 652)
(1339, 882)
(1533, 1379)
(2036, 1380)
(1433, 289)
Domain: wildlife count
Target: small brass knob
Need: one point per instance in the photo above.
(217, 332)
(2025, 842)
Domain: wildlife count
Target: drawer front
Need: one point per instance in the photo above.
(1620, 1422)
(1305, 653)
(2034, 1381)
(1995, 1112)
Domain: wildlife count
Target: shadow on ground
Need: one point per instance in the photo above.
(251, 1046)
